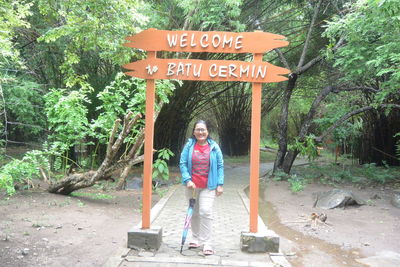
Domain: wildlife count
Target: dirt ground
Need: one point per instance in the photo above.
(42, 229)
(352, 233)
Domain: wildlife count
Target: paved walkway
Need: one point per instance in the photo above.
(231, 217)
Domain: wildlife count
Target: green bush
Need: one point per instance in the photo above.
(22, 171)
(377, 174)
(296, 183)
(160, 166)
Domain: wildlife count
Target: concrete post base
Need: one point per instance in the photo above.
(266, 241)
(148, 239)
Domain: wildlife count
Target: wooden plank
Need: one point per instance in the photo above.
(148, 149)
(206, 70)
(255, 150)
(211, 42)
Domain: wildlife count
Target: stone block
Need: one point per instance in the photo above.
(148, 239)
(264, 242)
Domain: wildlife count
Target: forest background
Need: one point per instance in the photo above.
(64, 97)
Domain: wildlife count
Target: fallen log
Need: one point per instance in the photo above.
(76, 181)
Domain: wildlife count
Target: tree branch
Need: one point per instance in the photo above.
(350, 114)
(282, 57)
(313, 109)
(315, 60)
(361, 88)
(305, 47)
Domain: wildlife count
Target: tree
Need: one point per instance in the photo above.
(192, 97)
(285, 157)
(13, 15)
(353, 57)
(369, 59)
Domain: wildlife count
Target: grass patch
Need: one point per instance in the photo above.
(92, 195)
(264, 157)
(335, 174)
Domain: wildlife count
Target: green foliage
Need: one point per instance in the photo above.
(160, 166)
(22, 171)
(67, 118)
(82, 28)
(335, 174)
(280, 176)
(375, 174)
(296, 183)
(348, 130)
(264, 157)
(125, 94)
(307, 147)
(371, 53)
(210, 13)
(160, 191)
(13, 14)
(92, 195)
(204, 15)
(67, 113)
(24, 103)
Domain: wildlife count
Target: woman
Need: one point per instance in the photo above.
(202, 169)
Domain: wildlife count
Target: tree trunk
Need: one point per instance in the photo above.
(288, 161)
(305, 128)
(77, 181)
(283, 123)
(133, 154)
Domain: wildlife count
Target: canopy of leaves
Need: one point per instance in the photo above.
(371, 54)
(93, 26)
(12, 15)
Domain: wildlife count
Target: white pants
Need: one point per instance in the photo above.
(202, 218)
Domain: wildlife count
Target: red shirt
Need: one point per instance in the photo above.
(200, 165)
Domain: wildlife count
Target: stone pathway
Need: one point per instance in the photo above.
(230, 218)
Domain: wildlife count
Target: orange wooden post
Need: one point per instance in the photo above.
(255, 150)
(148, 148)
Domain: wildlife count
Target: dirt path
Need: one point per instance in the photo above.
(352, 233)
(42, 229)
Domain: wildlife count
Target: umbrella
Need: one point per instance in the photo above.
(188, 218)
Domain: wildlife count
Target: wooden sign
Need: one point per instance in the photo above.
(257, 72)
(206, 70)
(212, 42)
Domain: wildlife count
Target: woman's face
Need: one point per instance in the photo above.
(200, 132)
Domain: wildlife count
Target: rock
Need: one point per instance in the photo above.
(45, 239)
(336, 198)
(375, 196)
(395, 201)
(25, 251)
(134, 183)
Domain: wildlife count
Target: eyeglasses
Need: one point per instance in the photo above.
(200, 130)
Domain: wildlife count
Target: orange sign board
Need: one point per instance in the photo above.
(257, 72)
(206, 70)
(211, 42)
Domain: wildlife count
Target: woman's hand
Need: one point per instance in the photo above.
(190, 184)
(219, 190)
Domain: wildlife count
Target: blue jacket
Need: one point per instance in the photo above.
(216, 172)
